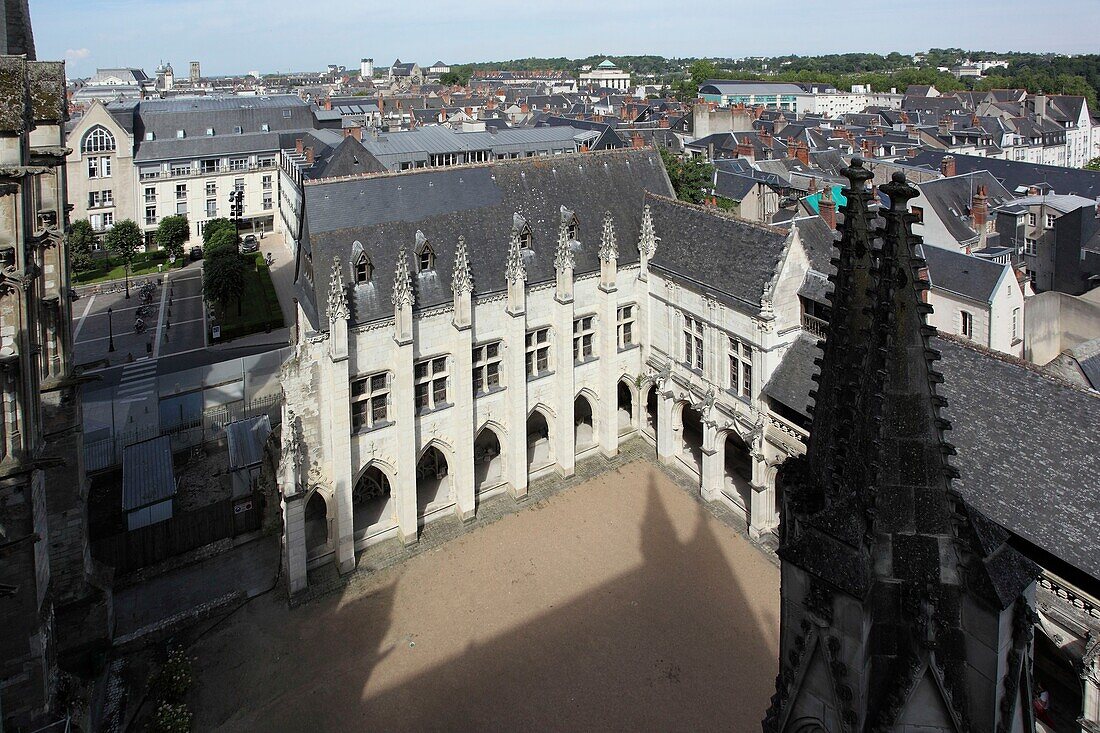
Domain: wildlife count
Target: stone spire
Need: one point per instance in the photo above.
(609, 250)
(647, 243)
(563, 256)
(888, 574)
(461, 281)
(337, 295)
(514, 269)
(402, 295)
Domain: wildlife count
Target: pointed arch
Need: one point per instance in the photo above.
(318, 513)
(434, 486)
(372, 500)
(540, 448)
(626, 404)
(490, 461)
(584, 420)
(362, 269)
(425, 253)
(526, 236)
(98, 139)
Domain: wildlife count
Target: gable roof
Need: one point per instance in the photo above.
(972, 277)
(1015, 175)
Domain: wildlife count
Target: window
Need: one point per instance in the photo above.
(267, 182)
(211, 188)
(430, 384)
(180, 134)
(99, 140)
(181, 208)
(370, 398)
(1050, 221)
(103, 221)
(425, 258)
(99, 167)
(238, 130)
(238, 184)
(211, 208)
(238, 164)
(93, 199)
(967, 324)
(147, 173)
(1015, 324)
(181, 191)
(525, 238)
(107, 197)
(266, 161)
(740, 355)
(693, 343)
(264, 127)
(150, 215)
(582, 339)
(286, 113)
(208, 166)
(149, 137)
(180, 169)
(363, 269)
(210, 131)
(1031, 219)
(1030, 246)
(919, 213)
(268, 201)
(624, 319)
(150, 194)
(486, 367)
(538, 352)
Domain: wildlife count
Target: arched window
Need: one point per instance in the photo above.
(363, 269)
(99, 140)
(425, 255)
(525, 238)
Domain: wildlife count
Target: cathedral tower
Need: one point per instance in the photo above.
(903, 608)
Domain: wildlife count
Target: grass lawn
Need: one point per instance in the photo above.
(144, 264)
(259, 306)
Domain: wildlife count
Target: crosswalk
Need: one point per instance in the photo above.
(138, 382)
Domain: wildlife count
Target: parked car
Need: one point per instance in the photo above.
(196, 253)
(250, 244)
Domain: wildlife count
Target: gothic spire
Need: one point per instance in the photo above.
(337, 295)
(647, 242)
(402, 283)
(563, 256)
(461, 281)
(609, 250)
(514, 269)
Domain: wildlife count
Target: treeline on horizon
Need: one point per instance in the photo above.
(1050, 73)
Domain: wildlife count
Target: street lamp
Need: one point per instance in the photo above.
(110, 332)
(126, 277)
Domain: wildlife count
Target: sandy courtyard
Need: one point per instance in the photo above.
(618, 604)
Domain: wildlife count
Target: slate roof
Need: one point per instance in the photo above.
(1028, 445)
(951, 199)
(478, 202)
(1018, 175)
(207, 146)
(735, 259)
(147, 475)
(972, 277)
(246, 440)
(349, 158)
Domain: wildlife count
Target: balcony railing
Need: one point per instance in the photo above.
(815, 326)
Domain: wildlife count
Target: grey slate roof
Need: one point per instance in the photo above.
(733, 258)
(147, 476)
(1016, 175)
(951, 199)
(1028, 445)
(246, 440)
(477, 202)
(207, 146)
(973, 277)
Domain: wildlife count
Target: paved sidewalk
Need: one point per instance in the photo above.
(251, 568)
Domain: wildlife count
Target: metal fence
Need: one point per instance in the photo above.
(103, 455)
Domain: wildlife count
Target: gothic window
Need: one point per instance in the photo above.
(430, 384)
(624, 317)
(486, 362)
(538, 352)
(425, 257)
(525, 237)
(740, 357)
(363, 269)
(572, 229)
(583, 335)
(693, 343)
(99, 140)
(370, 397)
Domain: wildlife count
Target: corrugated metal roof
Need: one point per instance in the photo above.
(147, 475)
(438, 140)
(246, 441)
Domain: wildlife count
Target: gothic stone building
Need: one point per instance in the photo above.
(44, 558)
(462, 331)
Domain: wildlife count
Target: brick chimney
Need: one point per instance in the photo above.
(813, 185)
(826, 207)
(947, 166)
(745, 149)
(355, 132)
(979, 211)
(298, 145)
(328, 104)
(802, 152)
(765, 137)
(637, 141)
(663, 123)
(309, 155)
(945, 125)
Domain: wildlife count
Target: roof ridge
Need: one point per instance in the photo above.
(771, 228)
(1016, 362)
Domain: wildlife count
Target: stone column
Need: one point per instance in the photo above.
(711, 475)
(401, 397)
(666, 438)
(339, 420)
(516, 370)
(608, 418)
(294, 542)
(463, 411)
(1090, 677)
(564, 435)
(647, 245)
(761, 509)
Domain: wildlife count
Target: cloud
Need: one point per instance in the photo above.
(77, 53)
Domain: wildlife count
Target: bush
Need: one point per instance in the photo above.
(174, 678)
(171, 718)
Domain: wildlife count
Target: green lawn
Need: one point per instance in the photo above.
(259, 306)
(144, 264)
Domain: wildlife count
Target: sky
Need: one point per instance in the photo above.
(238, 36)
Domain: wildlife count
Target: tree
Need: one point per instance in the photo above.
(690, 178)
(172, 233)
(1093, 165)
(224, 241)
(81, 240)
(450, 79)
(703, 70)
(223, 279)
(214, 226)
(123, 240)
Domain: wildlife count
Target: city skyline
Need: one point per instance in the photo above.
(344, 34)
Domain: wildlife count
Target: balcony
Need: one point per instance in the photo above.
(815, 326)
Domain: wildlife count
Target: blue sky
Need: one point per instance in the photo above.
(237, 36)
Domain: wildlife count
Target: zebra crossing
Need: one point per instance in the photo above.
(138, 382)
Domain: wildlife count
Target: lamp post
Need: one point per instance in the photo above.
(110, 332)
(126, 278)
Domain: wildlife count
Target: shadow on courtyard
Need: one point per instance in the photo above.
(671, 645)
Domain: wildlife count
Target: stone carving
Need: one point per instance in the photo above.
(461, 280)
(515, 270)
(402, 295)
(563, 256)
(337, 296)
(609, 250)
(647, 242)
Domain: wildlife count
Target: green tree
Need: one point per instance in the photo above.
(223, 242)
(450, 79)
(81, 241)
(703, 70)
(214, 226)
(123, 240)
(690, 178)
(223, 279)
(172, 233)
(1093, 165)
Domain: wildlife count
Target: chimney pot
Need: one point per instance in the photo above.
(298, 145)
(947, 166)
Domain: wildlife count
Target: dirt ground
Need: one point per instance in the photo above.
(619, 604)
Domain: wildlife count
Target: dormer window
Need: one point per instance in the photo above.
(209, 131)
(572, 229)
(179, 134)
(426, 258)
(238, 130)
(265, 127)
(363, 270)
(149, 137)
(99, 140)
(525, 238)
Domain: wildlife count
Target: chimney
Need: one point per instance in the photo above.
(328, 104)
(356, 132)
(826, 207)
(663, 124)
(947, 166)
(813, 185)
(637, 141)
(978, 209)
(765, 137)
(802, 152)
(945, 125)
(745, 149)
(298, 145)
(309, 155)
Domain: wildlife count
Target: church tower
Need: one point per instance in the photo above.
(903, 608)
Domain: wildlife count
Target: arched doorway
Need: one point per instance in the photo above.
(691, 438)
(488, 462)
(539, 454)
(584, 431)
(651, 410)
(625, 410)
(433, 481)
(371, 502)
(317, 540)
(737, 474)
